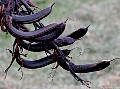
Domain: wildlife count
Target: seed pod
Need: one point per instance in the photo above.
(33, 17)
(33, 34)
(79, 33)
(39, 62)
(38, 47)
(86, 68)
(53, 35)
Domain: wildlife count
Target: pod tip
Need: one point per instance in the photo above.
(106, 60)
(53, 4)
(87, 26)
(65, 20)
(114, 59)
(111, 60)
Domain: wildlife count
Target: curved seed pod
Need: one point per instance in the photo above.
(39, 62)
(33, 17)
(29, 10)
(35, 47)
(79, 33)
(86, 68)
(32, 34)
(48, 45)
(72, 68)
(53, 35)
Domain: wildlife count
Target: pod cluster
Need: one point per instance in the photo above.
(14, 14)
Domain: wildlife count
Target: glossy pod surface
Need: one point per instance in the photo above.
(39, 62)
(79, 33)
(38, 47)
(53, 35)
(25, 19)
(31, 34)
(90, 67)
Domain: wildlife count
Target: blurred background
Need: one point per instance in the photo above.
(100, 43)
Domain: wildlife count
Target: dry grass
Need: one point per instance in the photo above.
(101, 42)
